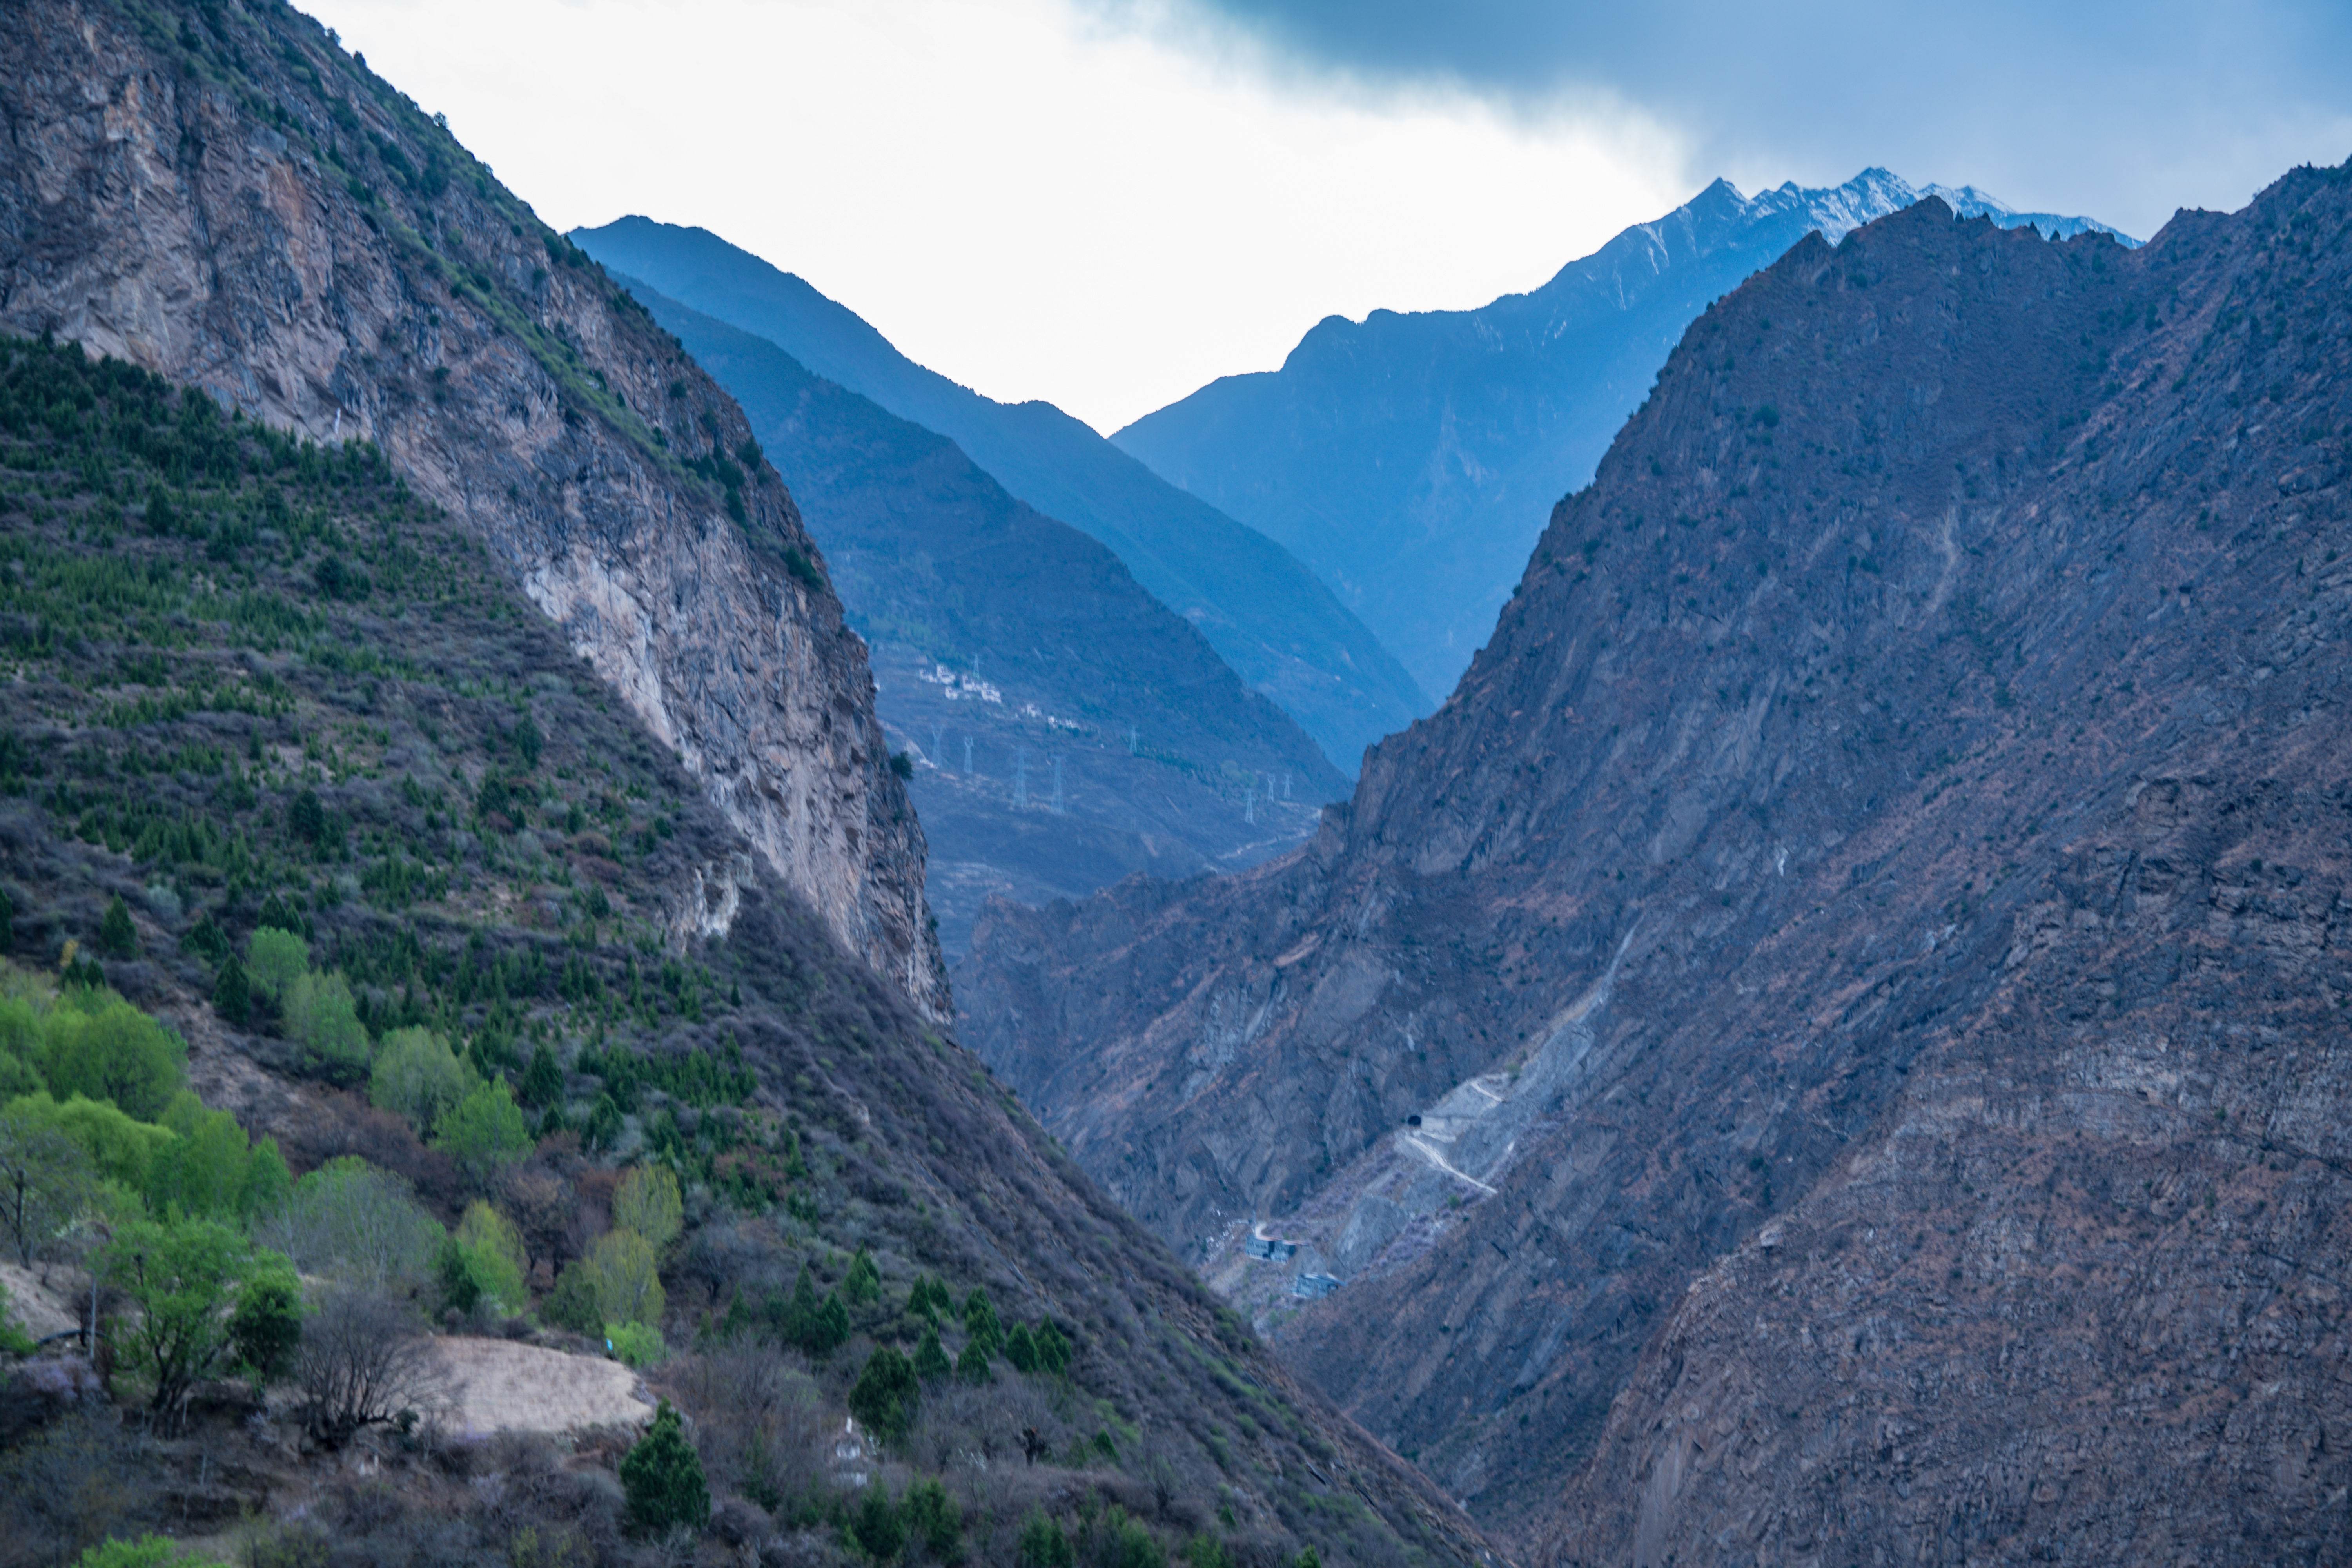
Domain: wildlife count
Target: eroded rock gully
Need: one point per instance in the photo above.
(1891, 864)
(231, 200)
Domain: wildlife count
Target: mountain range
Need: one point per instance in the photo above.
(1062, 729)
(1828, 1046)
(1266, 615)
(1409, 460)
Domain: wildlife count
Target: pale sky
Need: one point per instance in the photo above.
(1107, 203)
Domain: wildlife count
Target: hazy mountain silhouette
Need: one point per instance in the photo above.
(1064, 728)
(1264, 612)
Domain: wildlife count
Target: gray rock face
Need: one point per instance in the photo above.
(1857, 943)
(236, 204)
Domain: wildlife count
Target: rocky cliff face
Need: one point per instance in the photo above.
(1829, 1045)
(219, 193)
(1009, 651)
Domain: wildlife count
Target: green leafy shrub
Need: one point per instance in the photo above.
(863, 1284)
(13, 1340)
(267, 1327)
(147, 1552)
(210, 1170)
(636, 1345)
(662, 1477)
(1020, 1349)
(46, 1179)
(481, 1264)
(572, 1303)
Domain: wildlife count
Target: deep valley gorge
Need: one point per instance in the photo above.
(1827, 1041)
(636, 931)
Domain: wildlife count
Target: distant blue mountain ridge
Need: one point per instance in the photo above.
(1274, 622)
(1411, 460)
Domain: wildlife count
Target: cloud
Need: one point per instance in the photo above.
(2121, 110)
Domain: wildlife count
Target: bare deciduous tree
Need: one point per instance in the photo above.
(546, 1211)
(364, 1358)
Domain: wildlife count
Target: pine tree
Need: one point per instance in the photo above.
(231, 993)
(663, 1478)
(542, 1081)
(979, 1321)
(863, 1282)
(931, 1362)
(117, 937)
(885, 1394)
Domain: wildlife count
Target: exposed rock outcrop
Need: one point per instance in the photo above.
(1860, 934)
(231, 200)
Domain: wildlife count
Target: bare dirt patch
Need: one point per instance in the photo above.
(42, 1311)
(493, 1385)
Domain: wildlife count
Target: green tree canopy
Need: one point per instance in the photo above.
(107, 1050)
(210, 1168)
(186, 1280)
(121, 1150)
(647, 1202)
(45, 1177)
(274, 960)
(621, 1273)
(322, 1018)
(485, 1132)
(419, 1077)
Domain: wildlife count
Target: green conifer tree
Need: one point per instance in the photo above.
(662, 1477)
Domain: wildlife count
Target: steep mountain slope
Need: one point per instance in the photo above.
(219, 193)
(1410, 459)
(1858, 944)
(1266, 615)
(1066, 728)
(280, 689)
